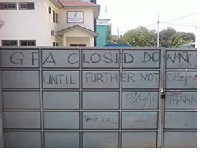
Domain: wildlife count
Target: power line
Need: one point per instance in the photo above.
(151, 24)
(180, 17)
(166, 22)
(180, 24)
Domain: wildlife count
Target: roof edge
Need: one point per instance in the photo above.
(93, 33)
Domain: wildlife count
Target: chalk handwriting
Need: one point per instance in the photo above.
(149, 76)
(182, 59)
(106, 76)
(70, 59)
(135, 97)
(107, 58)
(50, 59)
(57, 79)
(155, 57)
(178, 56)
(141, 99)
(186, 78)
(99, 119)
(19, 58)
(175, 99)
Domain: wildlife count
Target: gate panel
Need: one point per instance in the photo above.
(22, 139)
(61, 120)
(140, 100)
(108, 100)
(177, 139)
(139, 139)
(61, 139)
(100, 139)
(25, 99)
(20, 79)
(60, 100)
(139, 120)
(181, 99)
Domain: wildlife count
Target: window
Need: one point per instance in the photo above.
(27, 43)
(8, 6)
(55, 44)
(75, 45)
(9, 42)
(93, 1)
(54, 16)
(49, 10)
(26, 6)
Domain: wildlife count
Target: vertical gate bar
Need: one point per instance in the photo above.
(41, 99)
(80, 101)
(1, 109)
(161, 100)
(120, 97)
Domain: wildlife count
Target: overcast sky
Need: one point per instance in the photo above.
(130, 14)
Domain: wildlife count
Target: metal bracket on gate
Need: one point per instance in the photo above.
(162, 94)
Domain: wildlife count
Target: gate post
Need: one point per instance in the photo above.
(1, 110)
(161, 100)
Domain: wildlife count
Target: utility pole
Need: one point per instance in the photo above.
(118, 32)
(158, 32)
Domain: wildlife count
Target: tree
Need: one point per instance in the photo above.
(165, 36)
(116, 39)
(140, 37)
(181, 38)
(108, 35)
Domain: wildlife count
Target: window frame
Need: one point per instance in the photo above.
(49, 10)
(26, 3)
(9, 41)
(54, 16)
(77, 45)
(3, 4)
(27, 42)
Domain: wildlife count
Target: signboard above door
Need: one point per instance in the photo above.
(75, 17)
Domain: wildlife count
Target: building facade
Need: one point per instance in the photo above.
(104, 30)
(48, 22)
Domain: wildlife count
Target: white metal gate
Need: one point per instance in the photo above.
(98, 97)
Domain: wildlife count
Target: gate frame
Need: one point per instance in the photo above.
(161, 92)
(1, 110)
(161, 98)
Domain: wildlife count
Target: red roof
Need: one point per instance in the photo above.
(77, 3)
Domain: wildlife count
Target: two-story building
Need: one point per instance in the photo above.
(48, 22)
